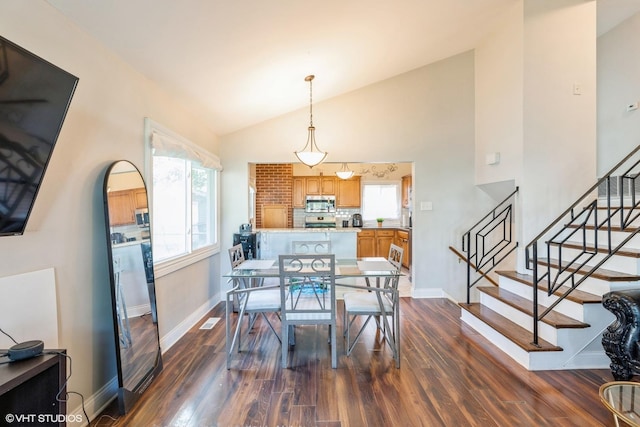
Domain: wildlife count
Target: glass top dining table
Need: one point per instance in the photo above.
(345, 267)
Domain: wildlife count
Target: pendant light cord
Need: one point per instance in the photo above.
(310, 100)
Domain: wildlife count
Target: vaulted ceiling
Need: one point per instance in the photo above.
(242, 62)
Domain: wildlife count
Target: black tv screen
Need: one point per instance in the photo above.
(34, 98)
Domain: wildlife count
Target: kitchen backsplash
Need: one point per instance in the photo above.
(132, 231)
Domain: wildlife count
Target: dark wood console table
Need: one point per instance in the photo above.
(28, 390)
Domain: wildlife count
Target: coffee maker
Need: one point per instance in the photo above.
(356, 220)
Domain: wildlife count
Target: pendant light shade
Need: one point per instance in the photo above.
(344, 173)
(311, 155)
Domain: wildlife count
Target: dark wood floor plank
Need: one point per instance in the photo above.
(279, 409)
(449, 375)
(330, 404)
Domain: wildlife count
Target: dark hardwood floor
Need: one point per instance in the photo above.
(450, 376)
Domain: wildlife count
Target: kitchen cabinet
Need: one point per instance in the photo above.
(320, 185)
(275, 216)
(313, 186)
(376, 243)
(140, 198)
(402, 240)
(366, 243)
(122, 207)
(328, 185)
(384, 239)
(406, 191)
(348, 195)
(298, 192)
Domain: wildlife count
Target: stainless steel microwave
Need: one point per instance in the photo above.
(320, 204)
(142, 217)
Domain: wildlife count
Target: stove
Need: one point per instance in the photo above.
(326, 221)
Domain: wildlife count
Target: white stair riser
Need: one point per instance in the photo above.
(566, 307)
(535, 361)
(617, 237)
(590, 284)
(619, 263)
(524, 320)
(570, 339)
(497, 339)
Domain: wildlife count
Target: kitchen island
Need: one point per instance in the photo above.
(129, 272)
(277, 241)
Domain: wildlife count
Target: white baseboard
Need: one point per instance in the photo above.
(432, 293)
(167, 341)
(96, 403)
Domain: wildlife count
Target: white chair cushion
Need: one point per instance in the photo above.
(365, 302)
(268, 299)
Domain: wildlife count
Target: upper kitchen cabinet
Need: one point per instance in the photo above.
(299, 192)
(406, 191)
(140, 197)
(122, 207)
(328, 185)
(320, 185)
(348, 195)
(313, 186)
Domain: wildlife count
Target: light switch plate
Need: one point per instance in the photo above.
(426, 206)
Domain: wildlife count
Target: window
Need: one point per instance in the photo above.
(381, 200)
(184, 199)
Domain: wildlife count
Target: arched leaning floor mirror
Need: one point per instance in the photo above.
(132, 282)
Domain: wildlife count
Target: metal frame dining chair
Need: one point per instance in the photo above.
(253, 301)
(307, 295)
(311, 247)
(379, 303)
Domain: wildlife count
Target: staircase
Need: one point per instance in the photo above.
(591, 249)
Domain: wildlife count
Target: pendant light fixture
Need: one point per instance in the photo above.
(344, 173)
(311, 154)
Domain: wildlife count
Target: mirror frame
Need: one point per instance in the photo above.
(128, 396)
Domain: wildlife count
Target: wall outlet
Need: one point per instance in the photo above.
(577, 88)
(492, 158)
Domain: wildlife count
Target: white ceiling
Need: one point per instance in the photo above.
(244, 61)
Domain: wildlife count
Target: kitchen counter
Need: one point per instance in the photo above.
(391, 227)
(310, 230)
(131, 243)
(277, 241)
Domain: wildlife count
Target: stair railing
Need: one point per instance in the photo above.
(577, 229)
(489, 241)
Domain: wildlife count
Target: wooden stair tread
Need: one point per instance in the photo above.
(576, 296)
(553, 318)
(517, 334)
(627, 252)
(600, 273)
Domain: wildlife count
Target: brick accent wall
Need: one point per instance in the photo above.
(274, 186)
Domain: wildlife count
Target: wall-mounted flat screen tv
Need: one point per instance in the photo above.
(34, 98)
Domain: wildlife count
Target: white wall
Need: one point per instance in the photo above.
(559, 146)
(618, 86)
(528, 112)
(425, 116)
(66, 230)
(499, 99)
